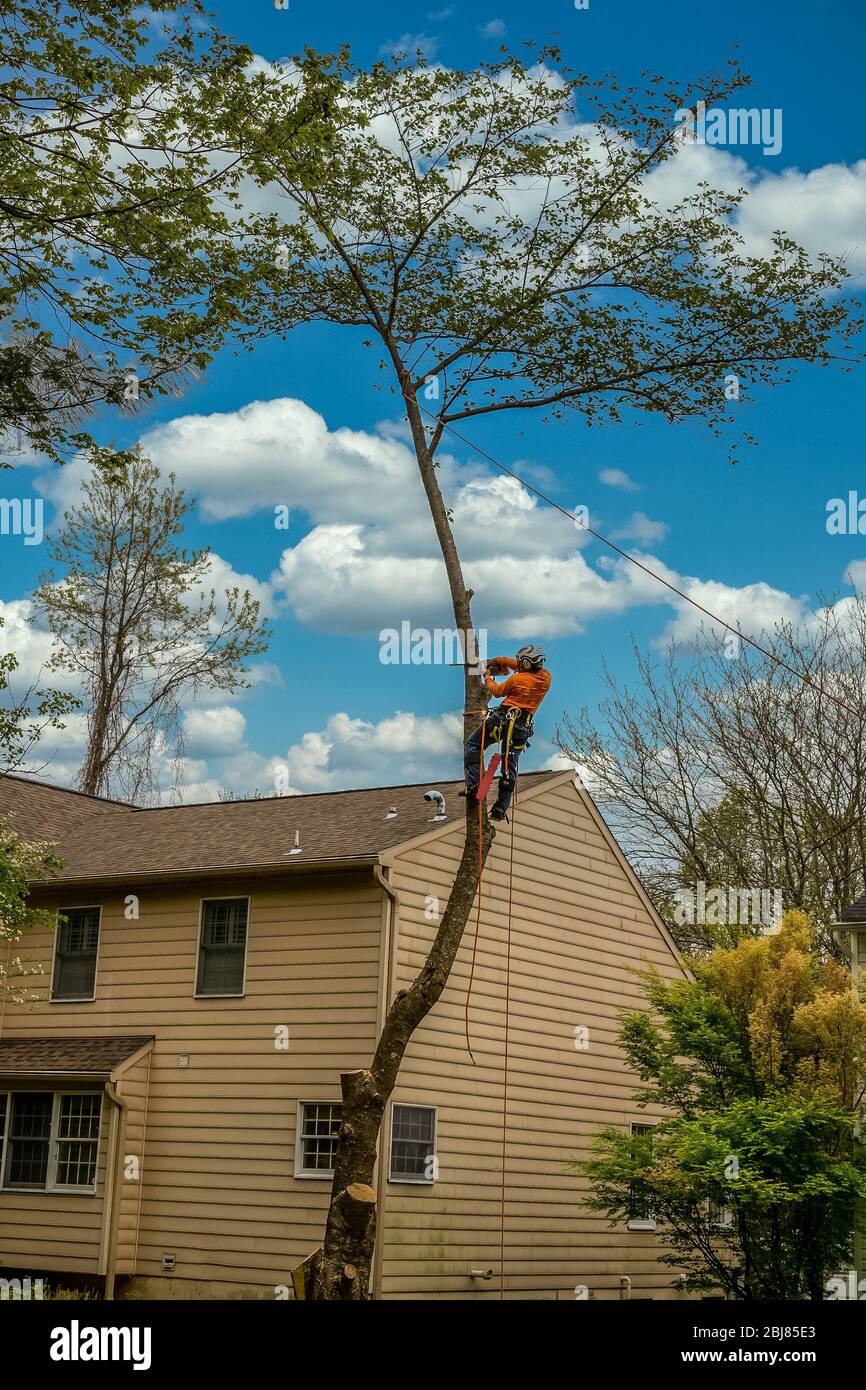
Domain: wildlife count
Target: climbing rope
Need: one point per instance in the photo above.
(507, 985)
(505, 1058)
(480, 879)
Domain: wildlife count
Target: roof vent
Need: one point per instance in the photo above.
(392, 812)
(439, 799)
(296, 847)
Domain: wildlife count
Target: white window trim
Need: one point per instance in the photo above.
(51, 1185)
(225, 898)
(418, 1105)
(300, 1170)
(74, 998)
(640, 1223)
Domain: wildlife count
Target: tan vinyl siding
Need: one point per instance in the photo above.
(579, 928)
(218, 1187)
(217, 1137)
(133, 1088)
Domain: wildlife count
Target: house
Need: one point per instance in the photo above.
(169, 1099)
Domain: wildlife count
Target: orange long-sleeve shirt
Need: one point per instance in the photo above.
(526, 689)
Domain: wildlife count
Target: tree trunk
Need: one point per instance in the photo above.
(348, 1239)
(92, 775)
(350, 1232)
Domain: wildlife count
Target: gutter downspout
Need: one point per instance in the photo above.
(389, 937)
(112, 1195)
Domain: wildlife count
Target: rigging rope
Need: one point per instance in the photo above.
(505, 1058)
(708, 613)
(480, 880)
(507, 989)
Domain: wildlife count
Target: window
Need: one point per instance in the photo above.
(75, 950)
(77, 1141)
(29, 1140)
(51, 1140)
(413, 1143)
(640, 1216)
(223, 946)
(719, 1217)
(318, 1129)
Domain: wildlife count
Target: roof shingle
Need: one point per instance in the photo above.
(856, 911)
(66, 1056)
(102, 840)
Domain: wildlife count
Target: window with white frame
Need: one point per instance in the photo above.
(640, 1213)
(50, 1141)
(318, 1131)
(75, 951)
(222, 946)
(413, 1144)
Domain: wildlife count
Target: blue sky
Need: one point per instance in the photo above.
(723, 529)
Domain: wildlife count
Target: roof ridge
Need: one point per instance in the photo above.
(432, 783)
(338, 791)
(69, 791)
(355, 826)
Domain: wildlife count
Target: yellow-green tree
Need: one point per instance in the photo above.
(754, 1178)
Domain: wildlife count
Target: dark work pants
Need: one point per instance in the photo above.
(494, 726)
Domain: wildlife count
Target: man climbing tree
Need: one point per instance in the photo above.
(506, 256)
(510, 724)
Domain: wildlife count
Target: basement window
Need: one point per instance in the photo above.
(413, 1144)
(51, 1140)
(222, 948)
(318, 1131)
(75, 948)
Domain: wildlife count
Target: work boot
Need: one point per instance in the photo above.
(498, 813)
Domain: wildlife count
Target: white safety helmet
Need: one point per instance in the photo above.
(532, 656)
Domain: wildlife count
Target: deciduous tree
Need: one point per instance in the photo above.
(492, 235)
(739, 772)
(132, 622)
(123, 241)
(754, 1179)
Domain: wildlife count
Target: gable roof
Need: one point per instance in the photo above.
(103, 840)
